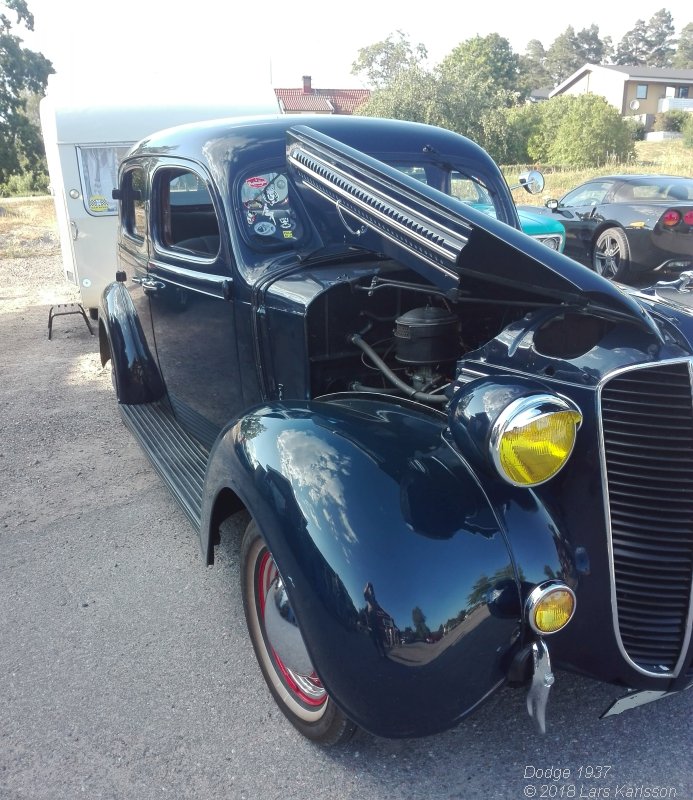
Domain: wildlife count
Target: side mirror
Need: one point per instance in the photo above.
(532, 181)
(552, 204)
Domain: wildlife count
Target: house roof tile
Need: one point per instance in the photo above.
(335, 101)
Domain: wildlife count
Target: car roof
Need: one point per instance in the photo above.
(237, 137)
(629, 178)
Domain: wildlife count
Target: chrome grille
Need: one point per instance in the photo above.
(647, 424)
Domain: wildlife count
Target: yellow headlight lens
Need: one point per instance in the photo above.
(552, 610)
(532, 441)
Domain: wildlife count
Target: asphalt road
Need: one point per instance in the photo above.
(125, 669)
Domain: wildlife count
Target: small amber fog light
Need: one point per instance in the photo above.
(550, 607)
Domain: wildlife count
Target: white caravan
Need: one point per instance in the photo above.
(85, 141)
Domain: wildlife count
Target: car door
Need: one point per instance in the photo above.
(133, 242)
(580, 213)
(191, 295)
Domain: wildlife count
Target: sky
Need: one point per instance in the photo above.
(211, 45)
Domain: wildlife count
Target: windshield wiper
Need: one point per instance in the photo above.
(338, 252)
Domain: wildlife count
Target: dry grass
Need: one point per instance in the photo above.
(27, 227)
(669, 158)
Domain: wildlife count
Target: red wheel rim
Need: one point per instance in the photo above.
(307, 689)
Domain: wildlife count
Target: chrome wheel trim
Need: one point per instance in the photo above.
(303, 695)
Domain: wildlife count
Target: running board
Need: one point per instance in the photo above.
(178, 458)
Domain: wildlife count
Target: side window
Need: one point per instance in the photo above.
(414, 172)
(591, 194)
(468, 190)
(133, 203)
(186, 219)
(641, 91)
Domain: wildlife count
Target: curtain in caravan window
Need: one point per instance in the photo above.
(98, 167)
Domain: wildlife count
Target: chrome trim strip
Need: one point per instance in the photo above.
(336, 185)
(607, 513)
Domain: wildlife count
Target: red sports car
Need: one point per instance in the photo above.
(626, 226)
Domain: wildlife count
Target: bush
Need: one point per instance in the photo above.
(687, 131)
(26, 184)
(670, 121)
(636, 128)
(521, 123)
(580, 131)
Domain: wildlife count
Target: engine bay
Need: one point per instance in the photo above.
(393, 333)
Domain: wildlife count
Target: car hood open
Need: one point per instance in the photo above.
(442, 238)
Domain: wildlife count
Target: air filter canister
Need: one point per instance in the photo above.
(426, 336)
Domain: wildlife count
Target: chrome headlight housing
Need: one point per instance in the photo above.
(550, 607)
(516, 429)
(533, 437)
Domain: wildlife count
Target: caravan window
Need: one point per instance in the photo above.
(98, 168)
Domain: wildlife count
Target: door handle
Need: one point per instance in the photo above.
(152, 284)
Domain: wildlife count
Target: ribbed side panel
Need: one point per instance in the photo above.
(647, 419)
(179, 459)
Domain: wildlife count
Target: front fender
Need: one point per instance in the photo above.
(396, 565)
(121, 338)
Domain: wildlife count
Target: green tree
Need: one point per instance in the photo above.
(632, 50)
(21, 71)
(563, 58)
(409, 95)
(474, 83)
(580, 131)
(419, 620)
(683, 57)
(661, 38)
(592, 48)
(489, 60)
(522, 123)
(571, 50)
(648, 44)
(533, 72)
(383, 61)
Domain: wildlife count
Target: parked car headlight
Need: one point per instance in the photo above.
(553, 241)
(533, 437)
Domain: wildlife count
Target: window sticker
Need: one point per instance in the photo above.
(267, 211)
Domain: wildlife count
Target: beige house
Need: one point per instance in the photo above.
(634, 91)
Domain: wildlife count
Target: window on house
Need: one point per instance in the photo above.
(641, 91)
(682, 91)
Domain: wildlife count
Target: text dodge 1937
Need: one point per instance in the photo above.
(466, 459)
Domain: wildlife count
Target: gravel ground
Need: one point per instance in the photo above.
(125, 670)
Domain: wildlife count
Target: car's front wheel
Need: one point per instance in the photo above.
(611, 255)
(280, 650)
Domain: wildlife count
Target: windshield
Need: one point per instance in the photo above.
(271, 219)
(454, 182)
